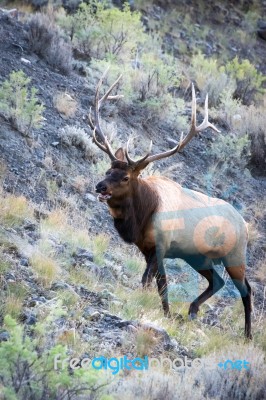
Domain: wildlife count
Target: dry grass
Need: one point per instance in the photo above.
(58, 225)
(138, 304)
(12, 305)
(14, 210)
(4, 265)
(12, 299)
(100, 245)
(145, 342)
(46, 268)
(81, 276)
(65, 104)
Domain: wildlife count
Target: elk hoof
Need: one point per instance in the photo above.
(192, 316)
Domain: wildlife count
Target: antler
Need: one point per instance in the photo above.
(96, 127)
(194, 129)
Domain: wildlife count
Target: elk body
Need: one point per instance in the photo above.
(165, 220)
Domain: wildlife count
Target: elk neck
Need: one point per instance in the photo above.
(133, 212)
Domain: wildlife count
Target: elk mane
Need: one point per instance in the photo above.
(138, 210)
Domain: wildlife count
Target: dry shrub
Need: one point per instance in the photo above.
(46, 40)
(253, 122)
(65, 104)
(234, 384)
(245, 120)
(80, 184)
(75, 136)
(200, 383)
(260, 272)
(151, 385)
(254, 234)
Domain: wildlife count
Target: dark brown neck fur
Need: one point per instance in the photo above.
(136, 210)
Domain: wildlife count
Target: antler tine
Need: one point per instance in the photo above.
(194, 129)
(106, 95)
(105, 145)
(205, 123)
(134, 163)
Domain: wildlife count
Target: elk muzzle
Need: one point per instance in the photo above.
(102, 189)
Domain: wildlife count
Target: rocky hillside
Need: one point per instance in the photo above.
(69, 285)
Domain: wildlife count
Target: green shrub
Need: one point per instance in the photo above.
(249, 81)
(99, 31)
(150, 87)
(27, 370)
(19, 103)
(154, 76)
(231, 150)
(210, 78)
(240, 78)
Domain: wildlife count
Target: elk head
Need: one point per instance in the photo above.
(124, 171)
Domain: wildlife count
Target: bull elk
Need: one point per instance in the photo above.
(165, 220)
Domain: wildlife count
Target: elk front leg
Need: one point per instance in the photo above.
(152, 271)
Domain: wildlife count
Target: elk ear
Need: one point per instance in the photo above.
(120, 154)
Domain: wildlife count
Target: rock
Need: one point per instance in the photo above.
(123, 323)
(29, 318)
(90, 198)
(106, 275)
(32, 303)
(83, 254)
(157, 331)
(132, 329)
(105, 294)
(95, 316)
(117, 303)
(91, 315)
(93, 268)
(59, 286)
(13, 13)
(10, 277)
(29, 226)
(24, 262)
(261, 32)
(25, 61)
(171, 142)
(4, 336)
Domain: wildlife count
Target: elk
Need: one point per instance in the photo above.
(165, 220)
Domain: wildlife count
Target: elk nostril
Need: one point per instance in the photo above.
(100, 188)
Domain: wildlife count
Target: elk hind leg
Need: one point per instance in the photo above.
(237, 275)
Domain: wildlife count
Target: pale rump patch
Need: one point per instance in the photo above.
(214, 237)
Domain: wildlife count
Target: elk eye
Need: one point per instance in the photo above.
(125, 179)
